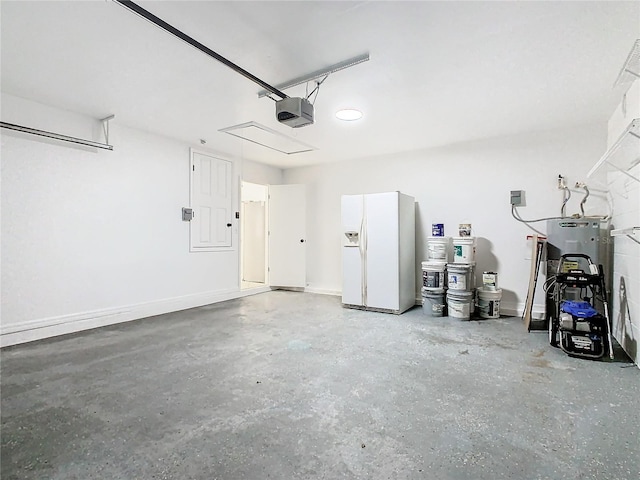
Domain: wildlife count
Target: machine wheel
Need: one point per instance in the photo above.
(553, 333)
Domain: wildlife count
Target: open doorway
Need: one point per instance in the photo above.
(253, 235)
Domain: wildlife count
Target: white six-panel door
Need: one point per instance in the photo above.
(211, 202)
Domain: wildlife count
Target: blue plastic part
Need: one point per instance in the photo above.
(578, 309)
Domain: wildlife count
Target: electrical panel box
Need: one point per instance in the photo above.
(517, 198)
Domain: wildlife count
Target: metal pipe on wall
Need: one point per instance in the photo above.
(56, 136)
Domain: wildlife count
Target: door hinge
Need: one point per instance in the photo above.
(193, 168)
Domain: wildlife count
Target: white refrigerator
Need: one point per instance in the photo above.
(378, 253)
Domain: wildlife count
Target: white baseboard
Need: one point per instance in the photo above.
(517, 309)
(61, 325)
(64, 324)
(323, 291)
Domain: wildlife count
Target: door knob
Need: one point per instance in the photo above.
(302, 240)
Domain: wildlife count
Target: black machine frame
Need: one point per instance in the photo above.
(591, 287)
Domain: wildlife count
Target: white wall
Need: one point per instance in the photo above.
(92, 237)
(467, 182)
(261, 174)
(252, 192)
(625, 312)
(625, 196)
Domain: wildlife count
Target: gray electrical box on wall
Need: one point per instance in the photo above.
(187, 214)
(517, 198)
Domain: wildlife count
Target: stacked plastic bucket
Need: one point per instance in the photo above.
(449, 278)
(434, 274)
(461, 279)
(489, 296)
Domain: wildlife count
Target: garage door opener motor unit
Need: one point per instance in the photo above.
(294, 111)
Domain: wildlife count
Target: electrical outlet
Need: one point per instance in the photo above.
(517, 198)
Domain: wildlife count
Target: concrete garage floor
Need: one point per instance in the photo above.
(287, 385)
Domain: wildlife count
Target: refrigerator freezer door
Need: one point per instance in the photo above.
(352, 256)
(352, 293)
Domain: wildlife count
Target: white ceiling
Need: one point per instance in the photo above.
(440, 72)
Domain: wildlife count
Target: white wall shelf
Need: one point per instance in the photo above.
(624, 154)
(625, 231)
(631, 69)
(628, 232)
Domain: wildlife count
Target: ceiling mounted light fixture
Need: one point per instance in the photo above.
(349, 114)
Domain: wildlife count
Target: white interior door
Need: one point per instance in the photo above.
(287, 236)
(211, 202)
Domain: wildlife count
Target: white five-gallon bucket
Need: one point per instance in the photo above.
(460, 277)
(489, 302)
(433, 303)
(460, 304)
(438, 249)
(464, 249)
(433, 276)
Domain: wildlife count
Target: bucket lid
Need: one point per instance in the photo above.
(464, 239)
(433, 293)
(432, 289)
(459, 293)
(434, 264)
(460, 266)
(439, 239)
(490, 294)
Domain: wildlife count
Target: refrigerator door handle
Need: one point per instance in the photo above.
(363, 251)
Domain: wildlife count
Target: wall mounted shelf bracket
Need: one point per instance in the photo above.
(631, 69)
(105, 126)
(629, 232)
(624, 154)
